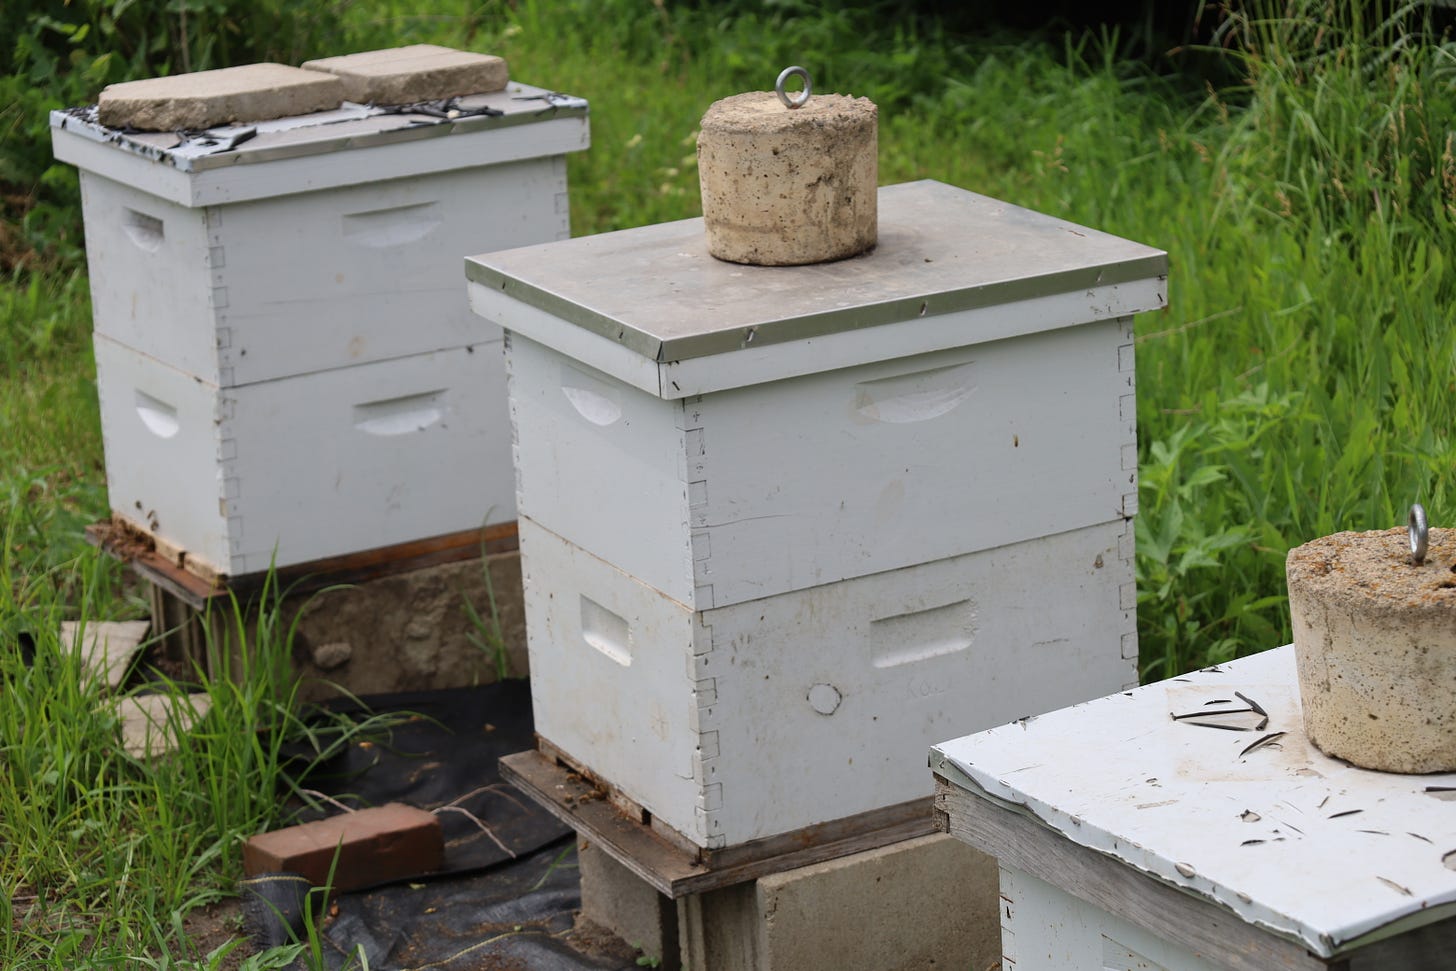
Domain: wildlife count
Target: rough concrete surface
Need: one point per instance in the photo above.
(410, 631)
(788, 186)
(1376, 647)
(617, 899)
(149, 723)
(108, 647)
(419, 72)
(203, 99)
(932, 902)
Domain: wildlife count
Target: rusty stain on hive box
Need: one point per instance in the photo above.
(252, 92)
(419, 72)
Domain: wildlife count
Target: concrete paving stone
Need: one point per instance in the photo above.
(373, 846)
(204, 99)
(144, 721)
(419, 72)
(926, 903)
(108, 646)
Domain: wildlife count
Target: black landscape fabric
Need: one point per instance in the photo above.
(509, 891)
(443, 759)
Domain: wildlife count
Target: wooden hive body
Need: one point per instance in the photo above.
(783, 526)
(279, 299)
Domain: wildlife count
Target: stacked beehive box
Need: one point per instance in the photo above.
(286, 366)
(782, 528)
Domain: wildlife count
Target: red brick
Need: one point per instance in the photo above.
(374, 846)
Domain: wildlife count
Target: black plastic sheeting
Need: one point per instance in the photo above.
(443, 759)
(509, 891)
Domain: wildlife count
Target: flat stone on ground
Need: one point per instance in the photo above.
(204, 99)
(419, 72)
(108, 647)
(144, 721)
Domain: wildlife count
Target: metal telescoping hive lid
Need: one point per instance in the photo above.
(657, 292)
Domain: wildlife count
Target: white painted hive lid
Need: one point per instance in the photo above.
(349, 128)
(1280, 834)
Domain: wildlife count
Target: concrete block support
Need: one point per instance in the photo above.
(406, 631)
(923, 903)
(927, 903)
(615, 898)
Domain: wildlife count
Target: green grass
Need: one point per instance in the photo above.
(1299, 383)
(105, 852)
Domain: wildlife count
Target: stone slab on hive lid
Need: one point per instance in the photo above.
(419, 72)
(1375, 635)
(789, 186)
(202, 99)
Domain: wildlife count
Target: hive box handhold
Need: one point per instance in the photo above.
(419, 72)
(252, 92)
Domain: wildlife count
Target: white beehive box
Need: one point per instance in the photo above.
(286, 250)
(769, 716)
(322, 241)
(755, 465)
(1191, 825)
(306, 467)
(756, 430)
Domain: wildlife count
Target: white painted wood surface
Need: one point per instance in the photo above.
(1279, 835)
(756, 491)
(315, 465)
(296, 283)
(269, 312)
(760, 718)
(1046, 929)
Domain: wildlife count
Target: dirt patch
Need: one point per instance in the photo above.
(587, 937)
(210, 927)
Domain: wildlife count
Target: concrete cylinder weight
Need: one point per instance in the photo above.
(785, 186)
(1375, 639)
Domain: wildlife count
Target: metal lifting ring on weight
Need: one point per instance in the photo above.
(1419, 533)
(803, 96)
